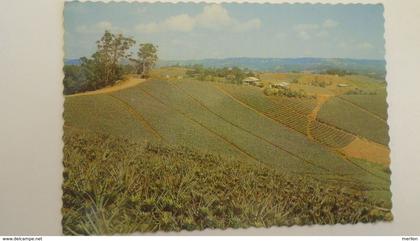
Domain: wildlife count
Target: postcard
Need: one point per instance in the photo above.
(193, 116)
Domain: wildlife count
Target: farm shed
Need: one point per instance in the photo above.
(342, 85)
(253, 81)
(250, 80)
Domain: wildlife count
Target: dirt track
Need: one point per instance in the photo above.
(123, 84)
(312, 116)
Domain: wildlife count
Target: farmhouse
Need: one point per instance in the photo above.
(250, 80)
(283, 85)
(253, 81)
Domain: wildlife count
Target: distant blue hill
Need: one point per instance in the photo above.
(362, 66)
(72, 61)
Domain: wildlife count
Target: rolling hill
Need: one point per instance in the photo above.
(362, 66)
(177, 153)
(374, 68)
(212, 119)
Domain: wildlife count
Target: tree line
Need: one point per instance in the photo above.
(107, 65)
(226, 74)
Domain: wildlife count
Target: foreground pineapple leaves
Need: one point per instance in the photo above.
(116, 186)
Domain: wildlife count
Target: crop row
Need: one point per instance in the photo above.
(267, 129)
(329, 136)
(289, 118)
(301, 105)
(284, 115)
(104, 114)
(355, 120)
(130, 187)
(254, 145)
(376, 104)
(283, 112)
(215, 123)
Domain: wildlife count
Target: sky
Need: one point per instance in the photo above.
(186, 31)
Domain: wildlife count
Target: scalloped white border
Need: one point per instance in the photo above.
(238, 2)
(31, 123)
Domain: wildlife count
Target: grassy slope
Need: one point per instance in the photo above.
(245, 119)
(113, 185)
(259, 125)
(364, 82)
(103, 114)
(294, 118)
(174, 127)
(173, 98)
(255, 98)
(349, 117)
(241, 133)
(373, 103)
(301, 105)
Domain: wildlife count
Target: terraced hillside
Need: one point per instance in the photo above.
(293, 113)
(374, 104)
(354, 119)
(232, 121)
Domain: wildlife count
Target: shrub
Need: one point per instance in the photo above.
(270, 91)
(357, 91)
(321, 83)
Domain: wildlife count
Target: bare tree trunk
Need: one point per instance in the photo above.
(144, 68)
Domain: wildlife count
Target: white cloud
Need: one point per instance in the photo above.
(148, 27)
(97, 28)
(356, 45)
(323, 34)
(343, 45)
(213, 17)
(180, 23)
(82, 29)
(104, 25)
(306, 27)
(306, 31)
(281, 36)
(248, 25)
(364, 45)
(304, 35)
(329, 23)
(141, 10)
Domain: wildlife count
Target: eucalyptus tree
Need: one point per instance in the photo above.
(104, 66)
(146, 58)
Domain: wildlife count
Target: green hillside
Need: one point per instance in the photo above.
(262, 127)
(350, 117)
(204, 116)
(290, 113)
(372, 103)
(105, 114)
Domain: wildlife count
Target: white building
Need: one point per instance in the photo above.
(250, 80)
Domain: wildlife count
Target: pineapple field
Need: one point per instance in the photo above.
(173, 153)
